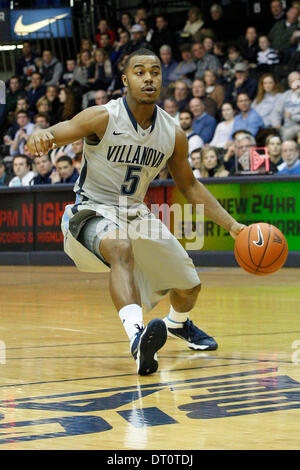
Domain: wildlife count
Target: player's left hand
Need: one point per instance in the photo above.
(235, 229)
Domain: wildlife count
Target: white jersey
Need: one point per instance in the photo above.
(127, 158)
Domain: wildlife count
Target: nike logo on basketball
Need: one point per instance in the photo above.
(117, 133)
(260, 240)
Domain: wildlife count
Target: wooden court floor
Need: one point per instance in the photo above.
(67, 380)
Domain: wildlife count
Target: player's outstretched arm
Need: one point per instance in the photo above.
(194, 191)
(89, 121)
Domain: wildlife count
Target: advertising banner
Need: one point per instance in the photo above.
(41, 23)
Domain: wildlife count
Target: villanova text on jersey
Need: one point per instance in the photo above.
(135, 154)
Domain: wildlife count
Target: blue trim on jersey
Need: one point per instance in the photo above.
(131, 116)
(154, 118)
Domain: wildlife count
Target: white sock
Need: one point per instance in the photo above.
(176, 319)
(132, 318)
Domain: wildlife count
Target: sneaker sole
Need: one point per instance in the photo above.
(152, 339)
(195, 347)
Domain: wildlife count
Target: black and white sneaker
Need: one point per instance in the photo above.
(193, 336)
(145, 345)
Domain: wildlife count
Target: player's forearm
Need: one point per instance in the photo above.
(65, 133)
(198, 194)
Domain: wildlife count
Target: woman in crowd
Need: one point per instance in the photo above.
(194, 21)
(269, 91)
(66, 108)
(221, 138)
(80, 82)
(100, 73)
(213, 90)
(210, 164)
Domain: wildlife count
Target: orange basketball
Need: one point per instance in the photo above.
(261, 249)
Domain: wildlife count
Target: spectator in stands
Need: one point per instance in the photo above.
(66, 172)
(186, 68)
(249, 46)
(36, 90)
(182, 94)
(25, 66)
(14, 91)
(105, 43)
(50, 68)
(100, 72)
(66, 108)
(290, 156)
(286, 114)
(199, 91)
(101, 97)
(168, 65)
(53, 100)
(85, 45)
(164, 174)
(147, 30)
(283, 30)
(77, 148)
(140, 14)
(162, 34)
(237, 156)
(218, 22)
(194, 21)
(248, 118)
(126, 21)
(23, 105)
(186, 122)
(137, 40)
(68, 74)
(273, 144)
(4, 176)
(171, 107)
(116, 87)
(214, 90)
(223, 132)
(195, 160)
(242, 83)
(211, 164)
(203, 124)
(80, 84)
(25, 129)
(119, 47)
(22, 171)
(266, 57)
(220, 51)
(44, 106)
(234, 58)
(44, 168)
(41, 121)
(268, 94)
(204, 60)
(103, 28)
(277, 13)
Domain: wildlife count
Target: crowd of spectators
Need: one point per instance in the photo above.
(228, 94)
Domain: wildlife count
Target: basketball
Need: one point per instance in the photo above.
(261, 249)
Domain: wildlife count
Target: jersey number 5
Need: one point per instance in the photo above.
(131, 179)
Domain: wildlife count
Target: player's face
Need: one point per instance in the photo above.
(143, 79)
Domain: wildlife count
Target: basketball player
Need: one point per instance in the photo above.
(127, 143)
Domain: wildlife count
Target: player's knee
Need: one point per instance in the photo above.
(122, 253)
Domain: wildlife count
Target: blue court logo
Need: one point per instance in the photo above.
(211, 397)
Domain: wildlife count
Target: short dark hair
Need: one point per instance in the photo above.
(139, 52)
(64, 158)
(187, 111)
(25, 157)
(22, 112)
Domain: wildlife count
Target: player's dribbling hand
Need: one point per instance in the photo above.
(235, 229)
(40, 142)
